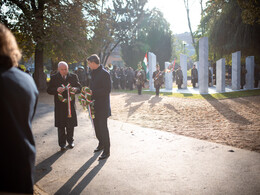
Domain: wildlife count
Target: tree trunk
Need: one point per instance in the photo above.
(39, 75)
(186, 3)
(108, 54)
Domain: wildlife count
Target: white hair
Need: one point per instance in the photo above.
(62, 63)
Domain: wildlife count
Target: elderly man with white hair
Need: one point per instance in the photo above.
(63, 85)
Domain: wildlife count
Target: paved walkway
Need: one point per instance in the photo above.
(142, 161)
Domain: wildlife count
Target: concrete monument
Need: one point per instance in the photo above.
(236, 70)
(168, 77)
(220, 75)
(152, 68)
(250, 65)
(183, 62)
(203, 65)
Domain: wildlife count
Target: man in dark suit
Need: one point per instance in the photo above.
(100, 85)
(59, 84)
(18, 102)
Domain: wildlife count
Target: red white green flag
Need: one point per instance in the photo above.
(145, 66)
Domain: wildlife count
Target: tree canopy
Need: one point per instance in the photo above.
(153, 34)
(52, 28)
(229, 30)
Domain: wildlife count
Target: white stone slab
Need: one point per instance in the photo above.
(152, 68)
(220, 75)
(183, 62)
(236, 70)
(203, 65)
(250, 65)
(168, 77)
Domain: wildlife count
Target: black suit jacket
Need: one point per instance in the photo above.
(61, 109)
(100, 84)
(18, 100)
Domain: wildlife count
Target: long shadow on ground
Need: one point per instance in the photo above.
(66, 188)
(44, 167)
(227, 112)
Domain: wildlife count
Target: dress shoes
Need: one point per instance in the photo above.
(98, 149)
(104, 156)
(62, 148)
(71, 145)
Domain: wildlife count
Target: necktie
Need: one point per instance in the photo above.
(64, 77)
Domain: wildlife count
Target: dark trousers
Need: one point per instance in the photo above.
(179, 86)
(65, 134)
(193, 84)
(102, 134)
(139, 89)
(157, 90)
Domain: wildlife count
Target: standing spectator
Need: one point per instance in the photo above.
(194, 76)
(100, 86)
(82, 75)
(130, 76)
(243, 76)
(158, 79)
(179, 77)
(122, 77)
(173, 75)
(18, 102)
(210, 78)
(139, 79)
(63, 121)
(115, 78)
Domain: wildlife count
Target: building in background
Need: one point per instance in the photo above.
(115, 57)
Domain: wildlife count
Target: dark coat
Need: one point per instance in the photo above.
(100, 84)
(61, 109)
(194, 75)
(18, 102)
(179, 77)
(158, 78)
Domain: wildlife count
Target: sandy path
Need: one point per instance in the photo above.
(234, 122)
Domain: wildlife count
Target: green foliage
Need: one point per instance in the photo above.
(115, 24)
(250, 11)
(229, 31)
(55, 29)
(153, 34)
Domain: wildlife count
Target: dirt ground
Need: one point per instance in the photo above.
(234, 122)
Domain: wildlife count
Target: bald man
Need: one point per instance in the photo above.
(64, 123)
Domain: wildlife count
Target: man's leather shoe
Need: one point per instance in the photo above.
(98, 149)
(71, 145)
(104, 156)
(62, 148)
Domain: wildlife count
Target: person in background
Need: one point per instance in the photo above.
(179, 77)
(158, 79)
(194, 76)
(18, 101)
(243, 76)
(139, 79)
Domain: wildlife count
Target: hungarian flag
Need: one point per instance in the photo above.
(145, 66)
(173, 64)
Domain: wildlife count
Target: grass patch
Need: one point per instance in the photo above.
(235, 94)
